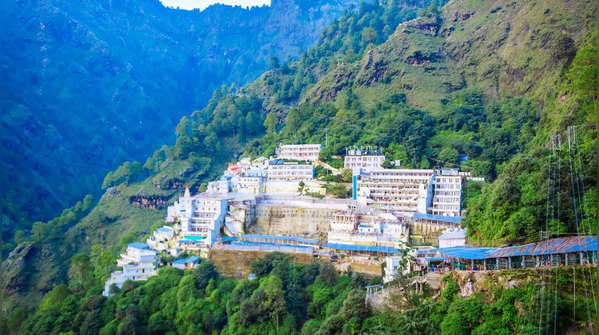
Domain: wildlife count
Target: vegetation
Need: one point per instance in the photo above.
(100, 83)
(285, 298)
(470, 80)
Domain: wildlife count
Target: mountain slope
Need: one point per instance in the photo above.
(407, 89)
(88, 85)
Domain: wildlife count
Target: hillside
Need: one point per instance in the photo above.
(453, 81)
(90, 85)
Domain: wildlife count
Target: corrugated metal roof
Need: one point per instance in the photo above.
(191, 259)
(467, 252)
(282, 238)
(452, 219)
(362, 248)
(139, 245)
(560, 245)
(249, 243)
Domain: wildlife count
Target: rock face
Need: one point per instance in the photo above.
(13, 270)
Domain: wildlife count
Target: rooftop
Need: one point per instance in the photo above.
(453, 234)
(138, 245)
(192, 259)
(281, 238)
(362, 248)
(560, 245)
(452, 219)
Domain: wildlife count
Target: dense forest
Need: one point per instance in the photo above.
(284, 298)
(479, 85)
(88, 85)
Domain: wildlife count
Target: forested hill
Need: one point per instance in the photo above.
(87, 85)
(486, 79)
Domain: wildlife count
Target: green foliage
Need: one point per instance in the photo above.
(126, 173)
(83, 111)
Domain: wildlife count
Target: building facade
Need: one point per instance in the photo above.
(403, 190)
(447, 188)
(363, 158)
(290, 172)
(201, 217)
(300, 152)
(137, 263)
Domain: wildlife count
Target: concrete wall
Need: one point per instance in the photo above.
(237, 264)
(296, 221)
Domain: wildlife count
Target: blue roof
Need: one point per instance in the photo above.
(249, 243)
(192, 259)
(165, 229)
(138, 245)
(229, 238)
(195, 238)
(467, 252)
(560, 245)
(452, 219)
(282, 238)
(362, 248)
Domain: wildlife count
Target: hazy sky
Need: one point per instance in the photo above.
(201, 4)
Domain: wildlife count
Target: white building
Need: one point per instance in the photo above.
(219, 186)
(363, 158)
(160, 238)
(186, 263)
(403, 190)
(447, 188)
(452, 238)
(278, 171)
(248, 183)
(395, 266)
(138, 263)
(344, 221)
(300, 152)
(380, 229)
(437, 192)
(201, 216)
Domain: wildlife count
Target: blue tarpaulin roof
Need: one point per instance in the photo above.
(229, 238)
(249, 243)
(139, 245)
(467, 252)
(452, 219)
(192, 259)
(362, 248)
(282, 238)
(560, 245)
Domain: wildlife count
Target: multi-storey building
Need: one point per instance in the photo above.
(363, 158)
(380, 229)
(403, 190)
(453, 237)
(447, 188)
(344, 221)
(138, 263)
(436, 192)
(286, 171)
(201, 217)
(300, 152)
(160, 238)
